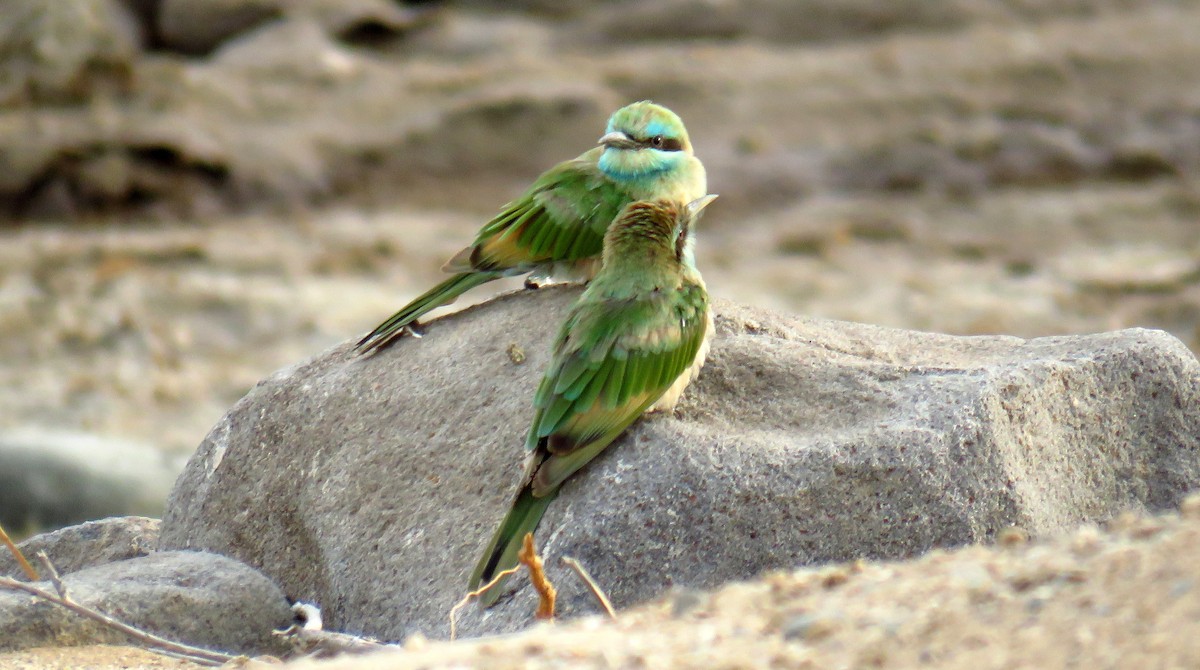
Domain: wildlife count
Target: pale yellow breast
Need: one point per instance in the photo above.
(682, 187)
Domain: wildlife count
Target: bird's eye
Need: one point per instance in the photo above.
(657, 141)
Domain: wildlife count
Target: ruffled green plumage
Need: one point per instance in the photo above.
(631, 335)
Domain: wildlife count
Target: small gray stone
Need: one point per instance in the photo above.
(92, 543)
(371, 485)
(191, 597)
(810, 627)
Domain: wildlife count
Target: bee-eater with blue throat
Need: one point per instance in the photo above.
(556, 228)
(634, 340)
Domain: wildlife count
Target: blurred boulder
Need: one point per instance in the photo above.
(365, 22)
(50, 479)
(371, 485)
(64, 51)
(191, 597)
(198, 26)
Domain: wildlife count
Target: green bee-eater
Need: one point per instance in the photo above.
(634, 340)
(556, 228)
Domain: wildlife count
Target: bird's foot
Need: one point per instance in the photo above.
(533, 283)
(414, 329)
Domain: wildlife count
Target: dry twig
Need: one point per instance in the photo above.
(54, 577)
(30, 573)
(537, 574)
(591, 584)
(62, 598)
(475, 594)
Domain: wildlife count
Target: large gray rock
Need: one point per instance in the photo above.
(93, 543)
(191, 597)
(372, 485)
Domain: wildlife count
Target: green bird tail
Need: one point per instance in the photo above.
(501, 554)
(442, 294)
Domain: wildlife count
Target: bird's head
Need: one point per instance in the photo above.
(649, 230)
(642, 140)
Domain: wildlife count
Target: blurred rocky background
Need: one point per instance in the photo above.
(195, 193)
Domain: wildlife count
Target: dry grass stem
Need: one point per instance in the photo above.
(591, 584)
(475, 594)
(53, 575)
(30, 573)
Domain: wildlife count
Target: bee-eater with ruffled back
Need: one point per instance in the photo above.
(556, 228)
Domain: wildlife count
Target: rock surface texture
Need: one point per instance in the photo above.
(88, 544)
(371, 485)
(198, 598)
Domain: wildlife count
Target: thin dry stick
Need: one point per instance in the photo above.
(30, 573)
(537, 574)
(591, 584)
(475, 594)
(55, 578)
(194, 654)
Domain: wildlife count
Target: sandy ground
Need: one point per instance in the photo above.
(90, 658)
(1121, 597)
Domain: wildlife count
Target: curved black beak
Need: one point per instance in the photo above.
(618, 140)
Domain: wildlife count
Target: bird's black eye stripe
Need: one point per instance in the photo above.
(664, 143)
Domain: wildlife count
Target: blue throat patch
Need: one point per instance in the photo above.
(664, 163)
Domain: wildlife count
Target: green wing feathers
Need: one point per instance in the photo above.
(501, 554)
(611, 365)
(561, 217)
(623, 356)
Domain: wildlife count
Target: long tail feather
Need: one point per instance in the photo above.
(442, 294)
(501, 554)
